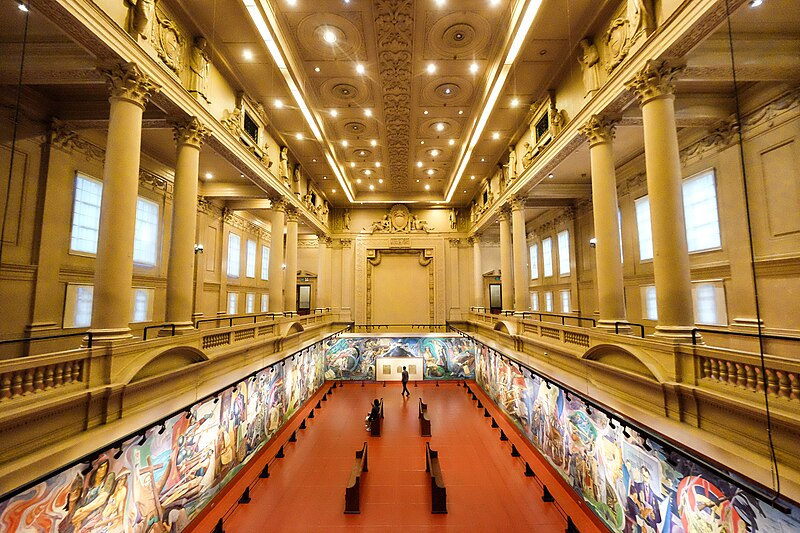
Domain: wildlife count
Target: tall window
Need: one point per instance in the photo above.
(250, 259)
(86, 214)
(619, 226)
(709, 303)
(534, 253)
(142, 305)
(234, 244)
(534, 301)
(547, 256)
(563, 253)
(649, 303)
(264, 303)
(145, 238)
(645, 230)
(250, 303)
(83, 306)
(264, 262)
(700, 212)
(564, 301)
(233, 303)
(548, 302)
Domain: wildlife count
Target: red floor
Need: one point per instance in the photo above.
(486, 489)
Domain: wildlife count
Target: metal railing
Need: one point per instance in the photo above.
(148, 328)
(377, 327)
(87, 334)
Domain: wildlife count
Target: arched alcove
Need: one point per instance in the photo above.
(292, 328)
(505, 327)
(623, 359)
(172, 359)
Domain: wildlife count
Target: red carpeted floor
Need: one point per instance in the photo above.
(486, 488)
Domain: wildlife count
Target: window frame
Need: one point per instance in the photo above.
(250, 259)
(237, 257)
(233, 301)
(710, 172)
(265, 251)
(547, 244)
(156, 233)
(533, 257)
(561, 263)
(90, 179)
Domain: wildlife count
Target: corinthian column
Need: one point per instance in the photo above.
(290, 276)
(600, 133)
(521, 277)
(180, 272)
(276, 256)
(505, 260)
(130, 91)
(653, 87)
(477, 271)
(324, 271)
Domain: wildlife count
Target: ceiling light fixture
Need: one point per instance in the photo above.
(427, 186)
(371, 187)
(483, 160)
(22, 7)
(362, 153)
(377, 164)
(345, 143)
(316, 69)
(460, 111)
(451, 142)
(434, 152)
(472, 177)
(473, 68)
(333, 190)
(247, 54)
(380, 180)
(495, 135)
(439, 126)
(431, 68)
(329, 37)
(551, 176)
(425, 112)
(278, 104)
(419, 164)
(368, 112)
(352, 164)
(360, 68)
(430, 172)
(514, 102)
(521, 33)
(299, 136)
(753, 3)
(440, 3)
(358, 180)
(368, 172)
(324, 177)
(373, 142)
(334, 113)
(209, 176)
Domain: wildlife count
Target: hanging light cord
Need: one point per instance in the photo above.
(773, 457)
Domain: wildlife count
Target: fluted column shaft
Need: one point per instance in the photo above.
(276, 257)
(519, 241)
(324, 272)
(130, 91)
(180, 270)
(506, 277)
(477, 268)
(654, 89)
(608, 257)
(290, 276)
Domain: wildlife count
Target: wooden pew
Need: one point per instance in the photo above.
(375, 425)
(424, 419)
(438, 492)
(352, 494)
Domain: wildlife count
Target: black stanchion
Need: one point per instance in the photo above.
(384, 383)
(486, 413)
(494, 423)
(265, 472)
(293, 438)
(546, 496)
(415, 384)
(503, 435)
(318, 406)
(218, 527)
(571, 527)
(480, 405)
(311, 414)
(245, 498)
(362, 383)
(529, 471)
(437, 382)
(280, 454)
(325, 397)
(303, 424)
(514, 451)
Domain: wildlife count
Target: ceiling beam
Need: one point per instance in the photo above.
(231, 190)
(244, 205)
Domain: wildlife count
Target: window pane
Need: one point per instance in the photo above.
(548, 302)
(250, 263)
(547, 256)
(649, 302)
(535, 301)
(644, 228)
(563, 252)
(83, 306)
(700, 212)
(264, 262)
(86, 215)
(264, 303)
(534, 252)
(233, 303)
(234, 243)
(709, 303)
(565, 301)
(619, 225)
(141, 305)
(250, 303)
(145, 238)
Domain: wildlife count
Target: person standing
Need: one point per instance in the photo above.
(405, 383)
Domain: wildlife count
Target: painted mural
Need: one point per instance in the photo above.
(445, 357)
(632, 483)
(159, 481)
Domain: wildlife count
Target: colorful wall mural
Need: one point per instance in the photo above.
(159, 481)
(632, 483)
(445, 357)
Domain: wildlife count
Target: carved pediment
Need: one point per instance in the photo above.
(399, 220)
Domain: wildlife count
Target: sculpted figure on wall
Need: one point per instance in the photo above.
(641, 17)
(527, 159)
(346, 219)
(198, 70)
(141, 17)
(283, 167)
(590, 65)
(512, 162)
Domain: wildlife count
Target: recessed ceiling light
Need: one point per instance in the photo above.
(483, 160)
(333, 190)
(380, 180)
(299, 136)
(329, 37)
(514, 102)
(425, 112)
(373, 142)
(291, 2)
(352, 164)
(419, 164)
(472, 177)
(417, 181)
(495, 135)
(241, 175)
(359, 68)
(247, 54)
(324, 177)
(368, 172)
(368, 112)
(22, 7)
(473, 68)
(440, 3)
(465, 190)
(278, 103)
(439, 126)
(756, 3)
(377, 164)
(371, 187)
(334, 113)
(431, 68)
(313, 160)
(422, 142)
(209, 175)
(358, 181)
(451, 142)
(362, 153)
(345, 143)
(460, 111)
(316, 69)
(427, 186)
(494, 2)
(430, 172)
(551, 176)
(434, 152)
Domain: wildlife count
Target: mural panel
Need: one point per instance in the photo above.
(633, 484)
(158, 481)
(445, 357)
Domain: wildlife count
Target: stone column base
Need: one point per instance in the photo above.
(181, 328)
(677, 334)
(610, 325)
(108, 337)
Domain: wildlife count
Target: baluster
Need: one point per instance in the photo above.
(759, 379)
(795, 381)
(741, 377)
(77, 370)
(27, 384)
(16, 384)
(715, 369)
(38, 379)
(48, 377)
(730, 373)
(5, 386)
(706, 367)
(784, 386)
(772, 382)
(59, 380)
(67, 373)
(750, 374)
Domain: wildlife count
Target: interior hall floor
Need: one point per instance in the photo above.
(486, 487)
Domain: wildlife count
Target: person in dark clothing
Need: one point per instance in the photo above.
(374, 413)
(405, 383)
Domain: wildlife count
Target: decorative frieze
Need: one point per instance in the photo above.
(399, 220)
(69, 141)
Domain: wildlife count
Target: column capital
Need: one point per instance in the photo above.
(126, 81)
(191, 132)
(599, 129)
(279, 203)
(324, 240)
(655, 80)
(474, 239)
(517, 203)
(292, 214)
(503, 214)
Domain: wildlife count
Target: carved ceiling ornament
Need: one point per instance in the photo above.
(399, 220)
(394, 27)
(655, 80)
(599, 129)
(127, 82)
(168, 42)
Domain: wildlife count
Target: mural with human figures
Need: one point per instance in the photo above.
(632, 483)
(445, 357)
(158, 482)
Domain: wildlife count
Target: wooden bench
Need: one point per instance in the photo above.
(352, 494)
(424, 419)
(438, 492)
(375, 425)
